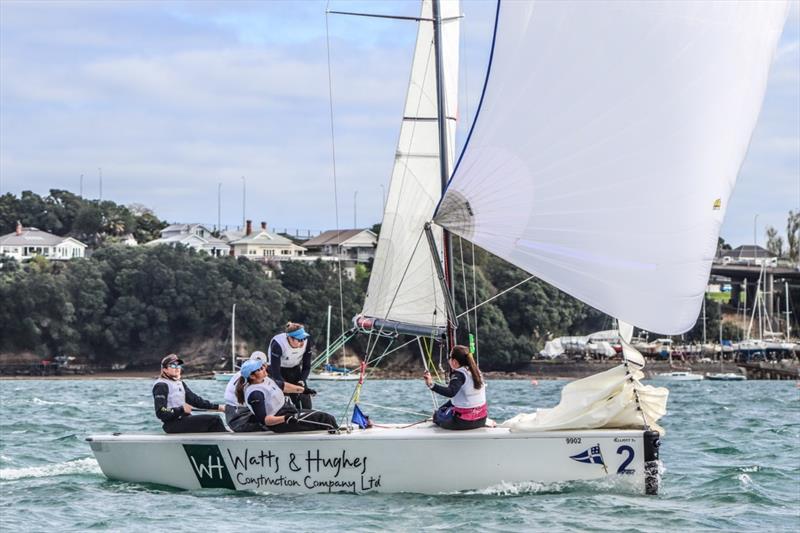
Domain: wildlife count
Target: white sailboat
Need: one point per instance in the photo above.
(593, 114)
(226, 376)
(330, 372)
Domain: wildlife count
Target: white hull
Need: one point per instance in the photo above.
(334, 376)
(223, 376)
(394, 459)
(679, 376)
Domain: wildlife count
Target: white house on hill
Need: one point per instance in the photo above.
(194, 236)
(356, 244)
(263, 245)
(26, 243)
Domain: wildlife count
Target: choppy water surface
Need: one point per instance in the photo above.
(732, 462)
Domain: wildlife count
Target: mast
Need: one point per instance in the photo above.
(444, 171)
(788, 315)
(233, 339)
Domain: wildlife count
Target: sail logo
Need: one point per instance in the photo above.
(717, 204)
(208, 466)
(591, 456)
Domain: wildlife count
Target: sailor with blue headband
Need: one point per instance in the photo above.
(290, 361)
(269, 406)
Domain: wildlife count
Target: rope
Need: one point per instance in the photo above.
(407, 411)
(464, 280)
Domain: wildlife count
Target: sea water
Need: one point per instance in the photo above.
(731, 462)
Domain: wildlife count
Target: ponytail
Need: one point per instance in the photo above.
(292, 326)
(464, 357)
(477, 379)
(240, 384)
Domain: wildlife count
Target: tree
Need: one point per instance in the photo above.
(774, 242)
(793, 236)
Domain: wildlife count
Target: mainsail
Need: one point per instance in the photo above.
(607, 143)
(403, 287)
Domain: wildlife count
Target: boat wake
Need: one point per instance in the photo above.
(610, 484)
(78, 466)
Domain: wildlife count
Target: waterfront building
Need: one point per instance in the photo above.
(350, 244)
(26, 243)
(265, 246)
(196, 236)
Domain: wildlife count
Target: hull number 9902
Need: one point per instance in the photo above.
(573, 440)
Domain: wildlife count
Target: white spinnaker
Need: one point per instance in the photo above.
(404, 286)
(607, 144)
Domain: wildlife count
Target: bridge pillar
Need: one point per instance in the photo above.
(769, 296)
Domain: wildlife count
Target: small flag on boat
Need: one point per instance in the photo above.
(592, 455)
(360, 419)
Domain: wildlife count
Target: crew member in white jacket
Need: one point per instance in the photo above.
(467, 407)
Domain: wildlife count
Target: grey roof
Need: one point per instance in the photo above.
(33, 237)
(746, 251)
(333, 237)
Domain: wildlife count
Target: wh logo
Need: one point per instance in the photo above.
(209, 466)
(203, 470)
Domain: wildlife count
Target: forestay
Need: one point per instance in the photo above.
(607, 143)
(403, 286)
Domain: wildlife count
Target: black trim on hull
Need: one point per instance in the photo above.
(652, 478)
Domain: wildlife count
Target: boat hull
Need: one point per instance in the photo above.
(334, 376)
(394, 459)
(726, 377)
(679, 377)
(223, 376)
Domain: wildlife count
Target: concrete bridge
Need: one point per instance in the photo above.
(774, 278)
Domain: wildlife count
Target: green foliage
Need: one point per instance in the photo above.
(793, 236)
(514, 326)
(90, 221)
(315, 286)
(134, 304)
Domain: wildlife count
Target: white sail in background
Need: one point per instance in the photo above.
(607, 144)
(403, 286)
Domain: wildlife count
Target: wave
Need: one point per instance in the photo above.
(39, 401)
(78, 466)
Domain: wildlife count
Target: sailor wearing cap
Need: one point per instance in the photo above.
(290, 361)
(237, 415)
(174, 401)
(270, 407)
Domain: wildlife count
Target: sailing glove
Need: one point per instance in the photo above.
(311, 392)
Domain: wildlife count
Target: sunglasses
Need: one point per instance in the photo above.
(174, 365)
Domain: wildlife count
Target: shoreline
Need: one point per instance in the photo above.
(539, 370)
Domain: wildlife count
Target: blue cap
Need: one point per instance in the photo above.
(250, 366)
(299, 334)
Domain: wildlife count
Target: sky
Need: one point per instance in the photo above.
(168, 100)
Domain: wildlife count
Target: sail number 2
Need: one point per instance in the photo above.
(623, 468)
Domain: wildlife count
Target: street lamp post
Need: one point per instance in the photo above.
(755, 238)
(244, 204)
(355, 210)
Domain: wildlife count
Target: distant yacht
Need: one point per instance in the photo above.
(726, 376)
(679, 375)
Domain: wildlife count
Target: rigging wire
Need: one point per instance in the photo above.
(333, 160)
(497, 295)
(474, 301)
